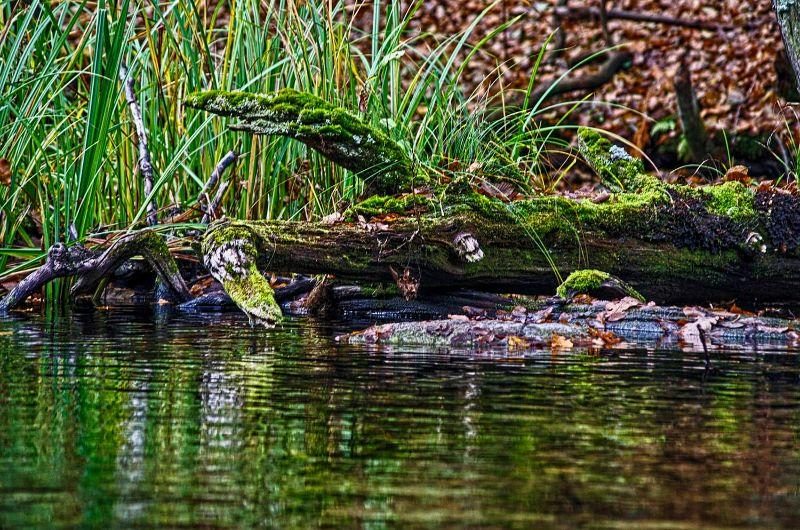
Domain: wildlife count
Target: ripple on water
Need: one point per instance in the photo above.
(126, 418)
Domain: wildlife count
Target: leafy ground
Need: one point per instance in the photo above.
(733, 69)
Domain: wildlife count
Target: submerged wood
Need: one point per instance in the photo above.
(599, 324)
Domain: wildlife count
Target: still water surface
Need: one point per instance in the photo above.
(121, 419)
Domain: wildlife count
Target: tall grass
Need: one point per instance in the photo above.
(66, 133)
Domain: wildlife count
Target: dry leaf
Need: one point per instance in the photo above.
(516, 343)
(559, 342)
(603, 338)
(737, 174)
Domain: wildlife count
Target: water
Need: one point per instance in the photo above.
(122, 419)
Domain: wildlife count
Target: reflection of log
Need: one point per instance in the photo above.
(91, 266)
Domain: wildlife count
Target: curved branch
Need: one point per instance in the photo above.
(91, 266)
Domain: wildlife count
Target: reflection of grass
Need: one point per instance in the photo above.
(117, 418)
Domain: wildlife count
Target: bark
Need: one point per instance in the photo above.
(788, 13)
(90, 267)
(694, 130)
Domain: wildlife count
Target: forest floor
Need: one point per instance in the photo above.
(733, 68)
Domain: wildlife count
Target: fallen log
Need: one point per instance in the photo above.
(673, 243)
(599, 324)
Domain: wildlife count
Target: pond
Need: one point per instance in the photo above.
(125, 418)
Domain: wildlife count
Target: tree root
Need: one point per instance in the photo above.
(91, 266)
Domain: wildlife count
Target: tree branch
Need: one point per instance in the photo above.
(145, 163)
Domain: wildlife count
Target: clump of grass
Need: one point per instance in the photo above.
(68, 140)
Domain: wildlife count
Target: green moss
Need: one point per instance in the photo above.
(582, 282)
(732, 199)
(334, 132)
(253, 294)
(382, 205)
(616, 168)
(588, 281)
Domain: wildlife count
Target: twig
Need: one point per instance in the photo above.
(145, 163)
(615, 62)
(211, 212)
(211, 208)
(619, 14)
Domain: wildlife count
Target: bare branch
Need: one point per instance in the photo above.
(145, 163)
(212, 205)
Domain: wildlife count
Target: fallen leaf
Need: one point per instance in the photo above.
(516, 343)
(559, 342)
(603, 338)
(737, 174)
(618, 310)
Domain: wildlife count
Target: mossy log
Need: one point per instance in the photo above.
(672, 248)
(332, 131)
(672, 243)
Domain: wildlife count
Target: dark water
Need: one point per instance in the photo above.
(119, 419)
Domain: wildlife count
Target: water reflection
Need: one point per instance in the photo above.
(123, 419)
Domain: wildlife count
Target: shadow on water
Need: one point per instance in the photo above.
(123, 418)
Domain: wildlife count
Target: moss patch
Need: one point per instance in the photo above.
(382, 204)
(589, 281)
(732, 199)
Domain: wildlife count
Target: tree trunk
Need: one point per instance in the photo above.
(788, 12)
(513, 262)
